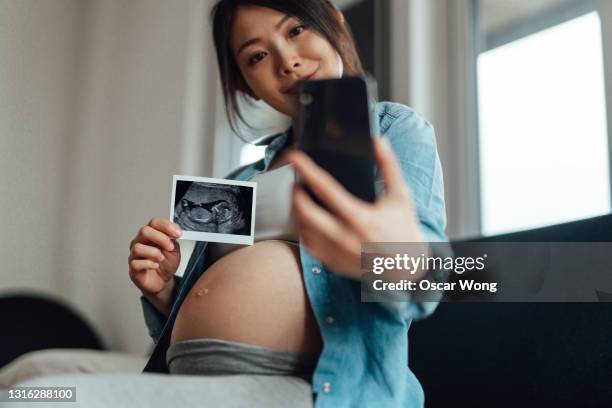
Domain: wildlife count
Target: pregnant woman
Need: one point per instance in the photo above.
(284, 316)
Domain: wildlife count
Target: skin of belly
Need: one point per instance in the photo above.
(253, 295)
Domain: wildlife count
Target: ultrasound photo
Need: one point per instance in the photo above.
(214, 210)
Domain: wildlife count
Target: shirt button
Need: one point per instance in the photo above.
(316, 270)
(330, 319)
(326, 387)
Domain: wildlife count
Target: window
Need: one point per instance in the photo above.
(543, 144)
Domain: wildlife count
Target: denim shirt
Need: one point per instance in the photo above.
(364, 361)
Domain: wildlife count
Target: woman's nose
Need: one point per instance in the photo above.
(289, 65)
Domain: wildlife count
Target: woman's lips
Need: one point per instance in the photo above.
(294, 88)
(310, 77)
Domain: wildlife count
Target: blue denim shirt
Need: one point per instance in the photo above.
(364, 361)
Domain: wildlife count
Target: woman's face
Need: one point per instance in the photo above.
(274, 51)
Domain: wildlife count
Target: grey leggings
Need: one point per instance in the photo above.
(205, 373)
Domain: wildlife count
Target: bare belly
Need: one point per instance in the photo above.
(253, 295)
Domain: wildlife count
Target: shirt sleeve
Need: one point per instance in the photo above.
(154, 320)
(417, 304)
(413, 141)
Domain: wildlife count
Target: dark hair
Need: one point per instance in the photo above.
(318, 14)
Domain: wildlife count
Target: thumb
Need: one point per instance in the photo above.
(390, 168)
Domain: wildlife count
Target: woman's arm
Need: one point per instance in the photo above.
(410, 209)
(164, 299)
(156, 312)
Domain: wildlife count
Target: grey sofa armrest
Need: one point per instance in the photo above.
(43, 363)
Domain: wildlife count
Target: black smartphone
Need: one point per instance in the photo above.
(335, 127)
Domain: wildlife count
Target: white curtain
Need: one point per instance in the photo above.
(432, 70)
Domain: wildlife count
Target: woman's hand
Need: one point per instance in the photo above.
(335, 239)
(154, 257)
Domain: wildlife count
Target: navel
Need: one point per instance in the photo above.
(202, 292)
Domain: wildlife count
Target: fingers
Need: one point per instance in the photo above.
(150, 268)
(142, 271)
(160, 233)
(340, 250)
(306, 211)
(148, 281)
(390, 168)
(141, 265)
(142, 251)
(144, 258)
(311, 218)
(326, 187)
(166, 226)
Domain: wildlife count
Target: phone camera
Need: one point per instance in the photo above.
(305, 98)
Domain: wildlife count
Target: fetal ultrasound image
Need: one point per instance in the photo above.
(211, 207)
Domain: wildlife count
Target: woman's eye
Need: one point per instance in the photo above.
(256, 58)
(297, 30)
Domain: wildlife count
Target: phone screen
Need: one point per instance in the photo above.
(335, 130)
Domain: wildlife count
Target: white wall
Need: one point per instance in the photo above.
(101, 112)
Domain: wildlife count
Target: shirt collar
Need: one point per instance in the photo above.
(275, 144)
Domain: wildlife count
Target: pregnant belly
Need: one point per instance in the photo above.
(253, 295)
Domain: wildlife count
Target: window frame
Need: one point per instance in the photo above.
(541, 21)
(538, 22)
